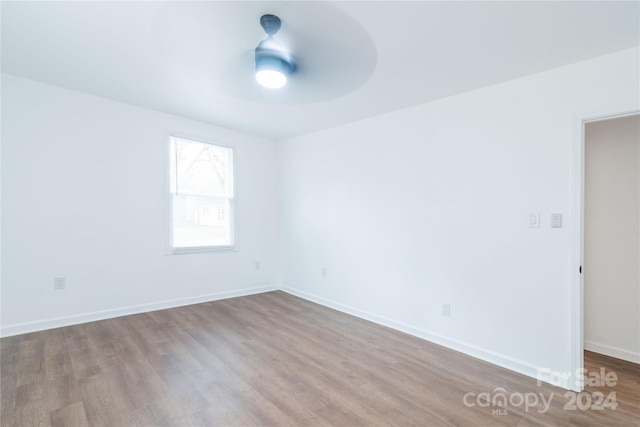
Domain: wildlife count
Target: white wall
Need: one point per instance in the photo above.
(430, 205)
(406, 211)
(612, 238)
(85, 196)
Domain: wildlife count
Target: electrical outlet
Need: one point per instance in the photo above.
(446, 310)
(324, 271)
(59, 283)
(556, 220)
(257, 265)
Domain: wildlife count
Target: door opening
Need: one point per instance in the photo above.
(606, 291)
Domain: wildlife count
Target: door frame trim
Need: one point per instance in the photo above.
(577, 236)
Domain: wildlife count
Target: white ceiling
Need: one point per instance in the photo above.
(358, 58)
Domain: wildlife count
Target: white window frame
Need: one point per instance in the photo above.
(173, 250)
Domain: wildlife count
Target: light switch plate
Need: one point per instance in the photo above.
(556, 220)
(534, 220)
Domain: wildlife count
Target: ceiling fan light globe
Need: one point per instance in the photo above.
(273, 64)
(272, 79)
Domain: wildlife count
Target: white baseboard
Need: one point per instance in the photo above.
(504, 361)
(41, 325)
(609, 350)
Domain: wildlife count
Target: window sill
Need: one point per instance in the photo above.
(203, 249)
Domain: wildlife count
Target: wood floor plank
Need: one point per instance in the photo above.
(70, 415)
(274, 360)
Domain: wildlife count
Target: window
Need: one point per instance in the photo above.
(201, 196)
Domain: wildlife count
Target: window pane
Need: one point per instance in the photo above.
(202, 169)
(201, 195)
(201, 221)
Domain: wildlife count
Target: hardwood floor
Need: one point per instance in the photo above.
(277, 360)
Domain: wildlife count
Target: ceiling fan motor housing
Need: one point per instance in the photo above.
(269, 56)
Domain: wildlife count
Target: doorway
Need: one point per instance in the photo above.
(611, 237)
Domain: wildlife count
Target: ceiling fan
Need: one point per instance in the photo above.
(274, 62)
(212, 47)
